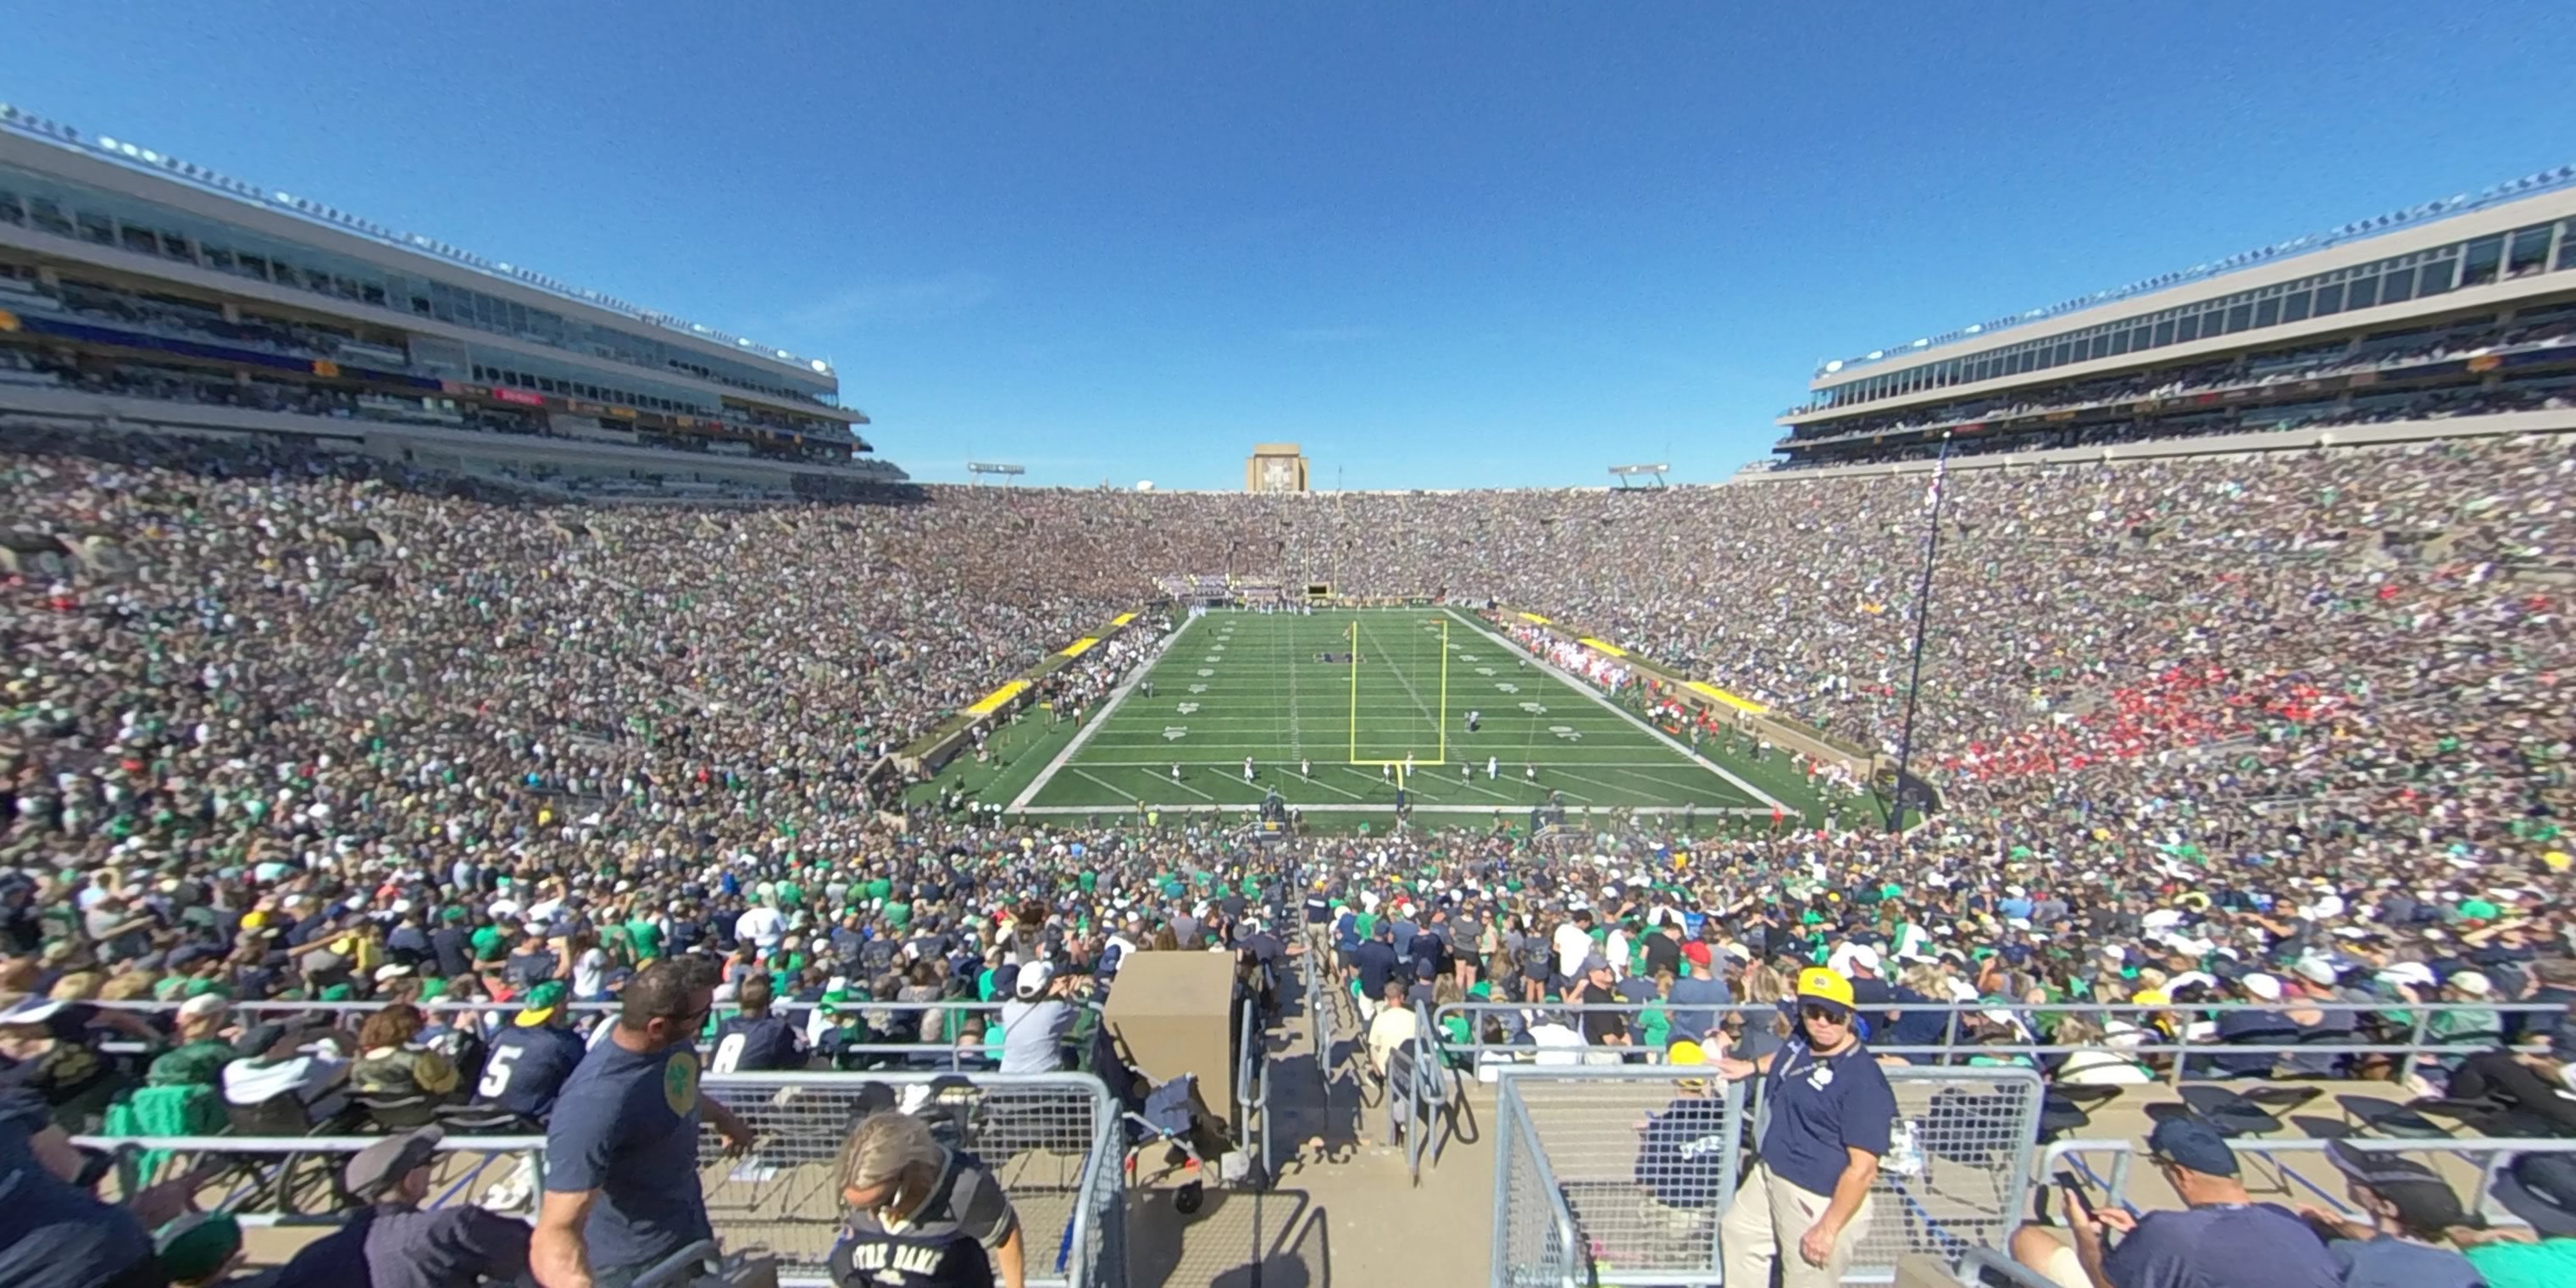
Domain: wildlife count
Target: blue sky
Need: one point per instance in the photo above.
(1439, 245)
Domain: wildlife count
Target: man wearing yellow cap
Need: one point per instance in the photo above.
(1826, 1116)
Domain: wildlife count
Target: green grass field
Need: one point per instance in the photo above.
(1240, 684)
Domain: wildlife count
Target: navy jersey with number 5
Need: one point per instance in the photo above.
(527, 1069)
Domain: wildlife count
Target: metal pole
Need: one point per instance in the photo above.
(1922, 614)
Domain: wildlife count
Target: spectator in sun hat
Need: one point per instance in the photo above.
(2407, 1212)
(1828, 1109)
(392, 1243)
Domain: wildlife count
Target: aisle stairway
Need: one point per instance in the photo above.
(1343, 1205)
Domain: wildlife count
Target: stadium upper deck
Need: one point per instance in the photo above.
(130, 273)
(2460, 307)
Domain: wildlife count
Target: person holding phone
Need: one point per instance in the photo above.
(2223, 1239)
(1827, 1113)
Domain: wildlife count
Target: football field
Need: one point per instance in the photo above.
(1333, 708)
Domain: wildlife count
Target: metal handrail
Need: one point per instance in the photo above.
(2414, 1049)
(443, 1006)
(1429, 1095)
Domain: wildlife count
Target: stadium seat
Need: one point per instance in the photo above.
(2389, 1118)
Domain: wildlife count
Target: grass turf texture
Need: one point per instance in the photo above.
(1239, 684)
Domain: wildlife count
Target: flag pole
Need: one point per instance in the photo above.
(1922, 614)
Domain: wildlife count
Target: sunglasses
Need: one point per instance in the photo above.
(1824, 1014)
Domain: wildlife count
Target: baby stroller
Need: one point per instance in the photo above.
(1170, 1120)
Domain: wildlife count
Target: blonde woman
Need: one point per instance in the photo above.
(1763, 1031)
(921, 1215)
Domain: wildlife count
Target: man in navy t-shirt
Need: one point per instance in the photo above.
(622, 1189)
(2224, 1239)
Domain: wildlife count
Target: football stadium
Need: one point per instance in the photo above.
(506, 784)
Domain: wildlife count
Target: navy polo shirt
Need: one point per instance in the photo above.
(1821, 1107)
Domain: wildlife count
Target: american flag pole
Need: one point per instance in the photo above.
(1922, 612)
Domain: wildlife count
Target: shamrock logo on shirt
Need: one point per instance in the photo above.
(680, 1082)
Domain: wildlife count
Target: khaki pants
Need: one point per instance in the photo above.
(1766, 1221)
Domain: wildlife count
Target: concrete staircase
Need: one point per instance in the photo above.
(1343, 1204)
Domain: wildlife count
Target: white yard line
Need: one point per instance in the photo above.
(1585, 688)
(1117, 698)
(1562, 772)
(1318, 782)
(1079, 772)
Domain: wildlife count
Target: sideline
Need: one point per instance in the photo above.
(1109, 707)
(1584, 687)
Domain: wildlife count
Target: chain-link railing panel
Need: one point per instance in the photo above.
(1534, 1237)
(1644, 1163)
(1955, 1174)
(1040, 1134)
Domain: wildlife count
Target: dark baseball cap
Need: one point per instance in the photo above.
(376, 1168)
(2192, 1144)
(2423, 1199)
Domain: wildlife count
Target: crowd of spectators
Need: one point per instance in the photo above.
(2282, 729)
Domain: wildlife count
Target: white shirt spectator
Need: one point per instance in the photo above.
(764, 926)
(1572, 946)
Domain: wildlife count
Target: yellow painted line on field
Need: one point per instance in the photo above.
(1710, 690)
(1602, 646)
(994, 701)
(1079, 647)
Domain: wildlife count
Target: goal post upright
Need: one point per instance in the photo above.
(1444, 689)
(1354, 669)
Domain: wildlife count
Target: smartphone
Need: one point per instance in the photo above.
(2075, 1194)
